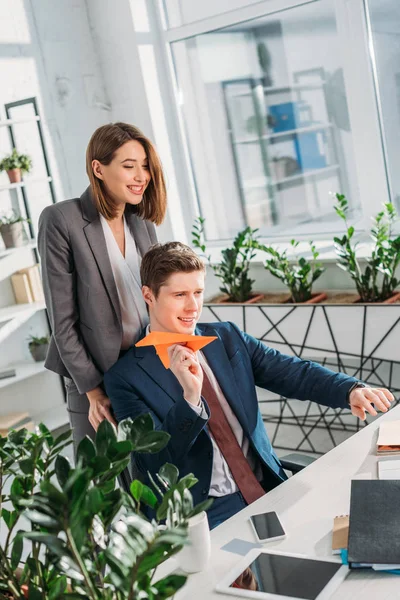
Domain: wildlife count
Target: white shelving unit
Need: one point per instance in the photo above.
(8, 122)
(15, 315)
(289, 132)
(285, 142)
(33, 388)
(21, 184)
(9, 251)
(24, 370)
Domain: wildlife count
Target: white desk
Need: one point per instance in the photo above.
(306, 504)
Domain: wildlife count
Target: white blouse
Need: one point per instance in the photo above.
(126, 271)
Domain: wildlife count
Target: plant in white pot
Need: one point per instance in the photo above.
(16, 165)
(12, 230)
(38, 347)
(377, 281)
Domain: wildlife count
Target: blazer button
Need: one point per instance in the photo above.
(210, 455)
(204, 492)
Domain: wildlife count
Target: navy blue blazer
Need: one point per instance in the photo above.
(138, 383)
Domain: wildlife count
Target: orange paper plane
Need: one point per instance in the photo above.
(163, 340)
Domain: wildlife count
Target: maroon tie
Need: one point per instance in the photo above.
(226, 441)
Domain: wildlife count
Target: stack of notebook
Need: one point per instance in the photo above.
(374, 540)
(15, 421)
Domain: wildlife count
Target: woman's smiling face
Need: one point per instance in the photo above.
(127, 176)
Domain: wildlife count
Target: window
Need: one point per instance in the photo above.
(267, 123)
(384, 22)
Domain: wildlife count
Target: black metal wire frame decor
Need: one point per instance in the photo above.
(359, 340)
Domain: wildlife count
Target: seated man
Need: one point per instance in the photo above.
(207, 400)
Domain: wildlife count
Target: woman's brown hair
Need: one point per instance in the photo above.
(102, 146)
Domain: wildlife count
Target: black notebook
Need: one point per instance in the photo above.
(374, 523)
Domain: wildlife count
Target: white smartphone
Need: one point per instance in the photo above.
(267, 527)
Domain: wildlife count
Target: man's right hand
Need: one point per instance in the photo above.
(185, 366)
(100, 408)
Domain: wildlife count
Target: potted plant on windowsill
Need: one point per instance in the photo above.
(377, 281)
(16, 165)
(38, 347)
(234, 268)
(298, 275)
(89, 538)
(12, 230)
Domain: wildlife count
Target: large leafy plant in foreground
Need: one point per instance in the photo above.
(98, 542)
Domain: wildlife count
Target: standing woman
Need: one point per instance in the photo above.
(91, 249)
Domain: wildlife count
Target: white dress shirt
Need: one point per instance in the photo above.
(126, 271)
(222, 481)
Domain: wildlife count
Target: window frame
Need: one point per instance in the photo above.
(355, 41)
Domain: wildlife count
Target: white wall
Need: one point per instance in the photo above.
(182, 12)
(47, 52)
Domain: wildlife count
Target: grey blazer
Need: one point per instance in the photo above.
(81, 295)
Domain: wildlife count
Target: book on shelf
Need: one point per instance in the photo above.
(27, 285)
(6, 373)
(22, 289)
(15, 421)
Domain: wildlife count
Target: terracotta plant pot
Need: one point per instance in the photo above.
(38, 353)
(255, 297)
(395, 297)
(315, 299)
(14, 175)
(13, 235)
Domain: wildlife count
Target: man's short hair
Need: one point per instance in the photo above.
(163, 260)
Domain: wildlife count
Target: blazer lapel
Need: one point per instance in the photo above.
(95, 238)
(221, 367)
(152, 365)
(140, 233)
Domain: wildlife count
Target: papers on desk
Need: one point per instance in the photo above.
(389, 468)
(374, 520)
(389, 438)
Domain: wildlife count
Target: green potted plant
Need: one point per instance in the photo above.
(89, 538)
(16, 164)
(38, 347)
(377, 281)
(298, 275)
(234, 268)
(12, 230)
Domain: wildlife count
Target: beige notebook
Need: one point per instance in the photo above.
(340, 533)
(389, 438)
(35, 282)
(22, 289)
(15, 421)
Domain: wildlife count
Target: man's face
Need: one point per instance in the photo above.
(179, 303)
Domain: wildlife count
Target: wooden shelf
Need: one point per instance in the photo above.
(26, 182)
(24, 370)
(8, 122)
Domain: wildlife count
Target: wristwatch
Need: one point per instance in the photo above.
(355, 385)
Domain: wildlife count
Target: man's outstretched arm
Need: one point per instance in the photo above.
(293, 377)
